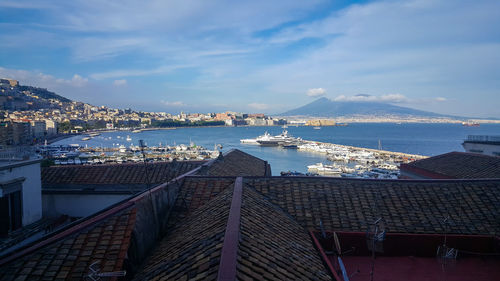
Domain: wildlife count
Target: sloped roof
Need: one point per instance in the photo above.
(273, 246)
(458, 165)
(70, 257)
(192, 250)
(237, 163)
(133, 173)
(196, 192)
(405, 206)
(275, 214)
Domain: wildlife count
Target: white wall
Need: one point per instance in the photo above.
(78, 205)
(32, 189)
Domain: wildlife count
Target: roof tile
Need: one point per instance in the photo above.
(406, 206)
(459, 165)
(71, 257)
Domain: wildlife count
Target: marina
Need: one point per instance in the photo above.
(411, 139)
(345, 161)
(76, 155)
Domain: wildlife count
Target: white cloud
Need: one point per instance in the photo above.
(316, 92)
(391, 98)
(136, 72)
(76, 80)
(173, 103)
(416, 47)
(441, 99)
(120, 82)
(259, 106)
(40, 79)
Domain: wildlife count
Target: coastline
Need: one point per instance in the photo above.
(61, 137)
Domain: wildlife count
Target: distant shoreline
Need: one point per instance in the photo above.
(65, 136)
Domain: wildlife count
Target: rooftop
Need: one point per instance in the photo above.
(457, 165)
(129, 173)
(410, 257)
(207, 226)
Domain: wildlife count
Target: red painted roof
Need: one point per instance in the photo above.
(412, 257)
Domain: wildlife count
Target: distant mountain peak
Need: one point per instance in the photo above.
(324, 107)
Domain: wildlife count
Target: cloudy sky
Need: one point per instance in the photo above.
(259, 55)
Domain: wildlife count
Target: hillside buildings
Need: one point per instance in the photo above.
(31, 115)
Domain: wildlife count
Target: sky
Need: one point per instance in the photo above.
(257, 56)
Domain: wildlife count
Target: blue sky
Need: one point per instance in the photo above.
(257, 56)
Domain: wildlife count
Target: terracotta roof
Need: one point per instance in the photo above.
(459, 165)
(273, 246)
(39, 227)
(159, 172)
(237, 163)
(194, 193)
(406, 206)
(192, 250)
(275, 214)
(70, 258)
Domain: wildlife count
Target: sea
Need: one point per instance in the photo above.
(413, 138)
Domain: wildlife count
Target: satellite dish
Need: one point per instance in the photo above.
(337, 243)
(342, 267)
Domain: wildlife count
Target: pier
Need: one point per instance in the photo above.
(410, 157)
(357, 162)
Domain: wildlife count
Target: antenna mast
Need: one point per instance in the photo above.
(95, 273)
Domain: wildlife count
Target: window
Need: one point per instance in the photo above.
(11, 209)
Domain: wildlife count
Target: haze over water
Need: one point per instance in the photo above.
(423, 139)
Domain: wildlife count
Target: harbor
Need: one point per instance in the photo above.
(396, 140)
(345, 161)
(77, 155)
(357, 162)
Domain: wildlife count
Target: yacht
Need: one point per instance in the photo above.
(265, 136)
(128, 138)
(122, 149)
(322, 169)
(277, 140)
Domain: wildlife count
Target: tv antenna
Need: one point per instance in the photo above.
(95, 273)
(445, 253)
(142, 145)
(375, 237)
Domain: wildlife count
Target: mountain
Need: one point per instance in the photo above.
(324, 107)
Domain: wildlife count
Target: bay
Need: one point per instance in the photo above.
(413, 138)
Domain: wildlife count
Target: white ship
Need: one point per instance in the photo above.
(265, 136)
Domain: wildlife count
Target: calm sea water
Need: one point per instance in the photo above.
(423, 139)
